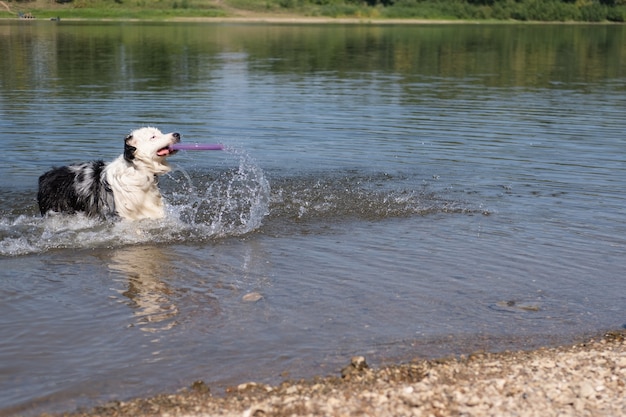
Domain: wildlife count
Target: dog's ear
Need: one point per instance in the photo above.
(129, 150)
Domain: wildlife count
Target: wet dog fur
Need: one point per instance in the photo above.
(126, 187)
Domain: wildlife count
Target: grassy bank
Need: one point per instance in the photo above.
(519, 10)
(103, 9)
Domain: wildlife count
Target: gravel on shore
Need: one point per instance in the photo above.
(586, 379)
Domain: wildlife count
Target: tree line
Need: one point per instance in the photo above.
(522, 10)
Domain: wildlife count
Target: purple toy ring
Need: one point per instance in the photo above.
(197, 147)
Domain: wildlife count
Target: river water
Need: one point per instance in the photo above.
(389, 191)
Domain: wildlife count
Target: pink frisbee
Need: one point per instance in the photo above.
(197, 147)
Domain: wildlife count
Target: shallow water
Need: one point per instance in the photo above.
(395, 192)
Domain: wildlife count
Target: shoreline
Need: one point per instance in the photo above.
(269, 20)
(260, 18)
(587, 378)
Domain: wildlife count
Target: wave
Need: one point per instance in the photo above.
(366, 197)
(207, 205)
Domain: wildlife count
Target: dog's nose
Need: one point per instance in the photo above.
(176, 136)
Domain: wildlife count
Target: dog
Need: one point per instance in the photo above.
(126, 187)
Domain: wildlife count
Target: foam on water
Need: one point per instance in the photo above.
(232, 204)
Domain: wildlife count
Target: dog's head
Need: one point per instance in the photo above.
(149, 147)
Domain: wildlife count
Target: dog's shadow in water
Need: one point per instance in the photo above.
(146, 270)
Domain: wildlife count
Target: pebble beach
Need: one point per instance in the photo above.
(585, 379)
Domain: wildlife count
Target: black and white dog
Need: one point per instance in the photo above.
(126, 187)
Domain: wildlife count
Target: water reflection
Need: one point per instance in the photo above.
(146, 270)
(165, 288)
(164, 56)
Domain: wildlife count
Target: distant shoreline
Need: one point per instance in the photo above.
(267, 19)
(310, 20)
(371, 21)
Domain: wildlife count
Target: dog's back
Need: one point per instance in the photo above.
(76, 188)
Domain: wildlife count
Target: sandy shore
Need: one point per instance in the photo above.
(304, 20)
(274, 19)
(587, 379)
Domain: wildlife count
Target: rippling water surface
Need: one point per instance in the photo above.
(395, 192)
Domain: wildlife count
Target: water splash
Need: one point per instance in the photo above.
(199, 208)
(232, 204)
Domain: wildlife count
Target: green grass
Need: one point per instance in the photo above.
(99, 14)
(121, 9)
(489, 10)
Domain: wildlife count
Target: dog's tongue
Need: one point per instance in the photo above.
(163, 152)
